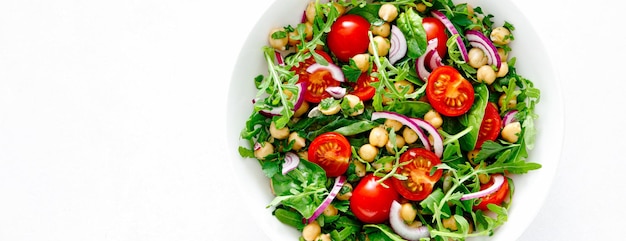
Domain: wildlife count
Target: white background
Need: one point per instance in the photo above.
(112, 119)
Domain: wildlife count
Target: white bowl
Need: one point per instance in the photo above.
(533, 63)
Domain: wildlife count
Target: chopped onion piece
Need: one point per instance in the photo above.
(479, 40)
(509, 117)
(272, 112)
(291, 162)
(334, 70)
(459, 41)
(336, 92)
(339, 181)
(401, 228)
(498, 180)
(405, 121)
(437, 138)
(398, 45)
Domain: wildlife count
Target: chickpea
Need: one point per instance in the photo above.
(345, 193)
(298, 141)
(311, 231)
(310, 12)
(471, 155)
(512, 102)
(359, 168)
(383, 30)
(409, 135)
(408, 212)
(278, 38)
(331, 110)
(308, 30)
(486, 74)
(378, 136)
(330, 211)
(504, 55)
(511, 132)
(382, 46)
(433, 118)
(279, 134)
(384, 166)
(354, 102)
(503, 70)
(501, 36)
(393, 124)
(388, 12)
(421, 7)
(450, 223)
(323, 237)
(400, 86)
(340, 8)
(477, 58)
(368, 152)
(304, 107)
(263, 150)
(294, 38)
(483, 178)
(399, 144)
(362, 62)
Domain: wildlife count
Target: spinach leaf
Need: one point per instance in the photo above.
(409, 108)
(302, 189)
(410, 23)
(475, 117)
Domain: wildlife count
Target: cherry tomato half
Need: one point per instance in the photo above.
(416, 166)
(348, 36)
(490, 126)
(448, 92)
(362, 87)
(316, 82)
(495, 198)
(332, 152)
(371, 201)
(435, 29)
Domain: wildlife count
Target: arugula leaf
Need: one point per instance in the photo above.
(410, 23)
(302, 189)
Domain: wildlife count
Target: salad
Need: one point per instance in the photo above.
(391, 120)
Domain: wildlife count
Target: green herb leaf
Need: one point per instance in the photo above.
(410, 23)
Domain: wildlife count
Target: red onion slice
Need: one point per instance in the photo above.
(339, 181)
(334, 70)
(398, 45)
(498, 179)
(401, 228)
(291, 162)
(300, 98)
(279, 58)
(420, 64)
(509, 117)
(405, 121)
(437, 138)
(434, 60)
(336, 92)
(459, 41)
(479, 40)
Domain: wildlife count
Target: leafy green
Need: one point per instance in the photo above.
(302, 189)
(475, 117)
(410, 23)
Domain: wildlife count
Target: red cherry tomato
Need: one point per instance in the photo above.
(435, 29)
(495, 198)
(316, 82)
(362, 87)
(448, 92)
(416, 166)
(490, 126)
(348, 36)
(371, 201)
(332, 152)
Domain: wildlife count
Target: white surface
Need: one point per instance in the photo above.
(110, 125)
